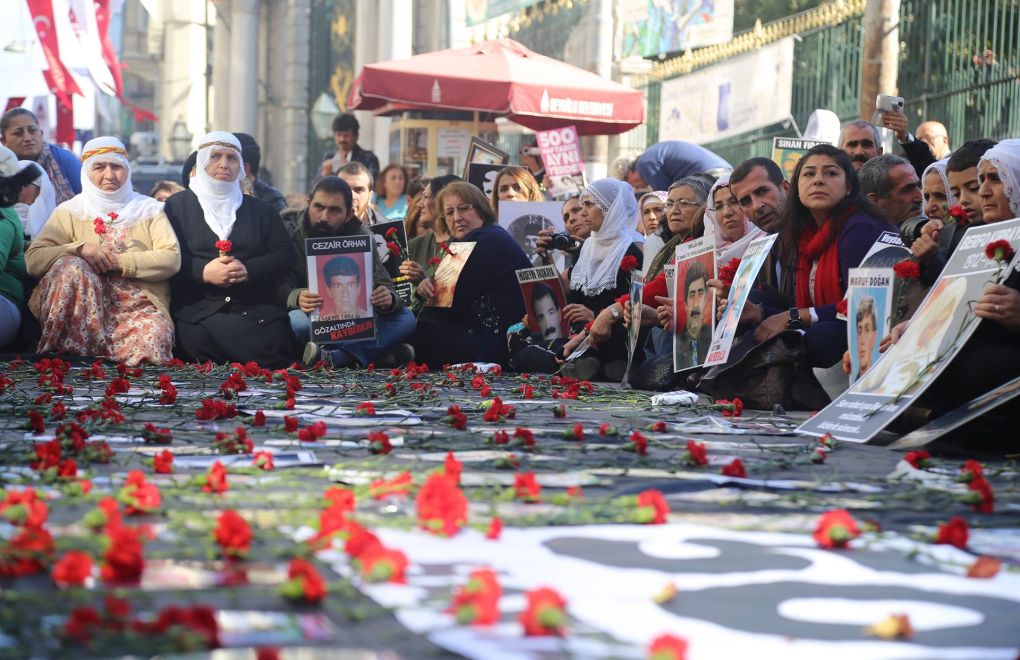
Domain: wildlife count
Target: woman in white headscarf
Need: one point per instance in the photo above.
(726, 223)
(104, 257)
(602, 275)
(938, 198)
(36, 203)
(234, 250)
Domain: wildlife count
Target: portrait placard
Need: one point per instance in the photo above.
(544, 299)
(448, 272)
(693, 303)
(523, 221)
(743, 281)
(340, 270)
(869, 311)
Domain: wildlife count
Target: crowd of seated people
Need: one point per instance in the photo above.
(208, 272)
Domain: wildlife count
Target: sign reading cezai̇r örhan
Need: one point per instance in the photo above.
(340, 271)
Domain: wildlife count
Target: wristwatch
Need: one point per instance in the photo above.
(794, 323)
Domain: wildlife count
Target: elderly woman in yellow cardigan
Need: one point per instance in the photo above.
(104, 259)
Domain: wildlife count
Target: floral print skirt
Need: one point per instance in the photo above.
(84, 313)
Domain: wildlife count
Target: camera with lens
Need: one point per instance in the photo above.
(561, 241)
(910, 230)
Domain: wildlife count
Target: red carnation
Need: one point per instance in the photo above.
(216, 479)
(365, 408)
(544, 614)
(442, 506)
(1000, 251)
(495, 529)
(652, 507)
(233, 534)
(696, 453)
(628, 263)
(907, 269)
(264, 461)
(381, 564)
(959, 214)
(304, 583)
(735, 468)
(99, 226)
(477, 602)
(526, 487)
(953, 532)
(638, 444)
(72, 569)
(667, 647)
(841, 307)
(836, 529)
(123, 559)
(980, 495)
(729, 271)
(452, 468)
(398, 485)
(379, 442)
(918, 459)
(393, 248)
(225, 247)
(163, 463)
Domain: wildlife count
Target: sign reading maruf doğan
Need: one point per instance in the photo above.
(340, 270)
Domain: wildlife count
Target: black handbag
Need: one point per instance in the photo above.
(776, 371)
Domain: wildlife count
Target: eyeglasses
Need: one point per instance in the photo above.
(670, 203)
(462, 209)
(718, 208)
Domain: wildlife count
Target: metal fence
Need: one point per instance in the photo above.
(959, 64)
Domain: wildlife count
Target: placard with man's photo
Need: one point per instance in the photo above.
(693, 303)
(544, 299)
(523, 221)
(390, 239)
(869, 311)
(340, 270)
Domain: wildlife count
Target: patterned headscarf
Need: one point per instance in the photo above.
(127, 206)
(940, 167)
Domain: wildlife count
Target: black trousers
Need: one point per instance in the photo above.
(237, 337)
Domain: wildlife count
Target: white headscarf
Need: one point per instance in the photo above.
(940, 167)
(219, 199)
(726, 250)
(602, 252)
(93, 202)
(1005, 156)
(39, 211)
(823, 125)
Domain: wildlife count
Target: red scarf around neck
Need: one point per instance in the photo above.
(811, 248)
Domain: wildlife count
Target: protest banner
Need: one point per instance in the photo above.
(941, 326)
(743, 281)
(693, 303)
(562, 160)
(340, 270)
(483, 176)
(869, 312)
(786, 152)
(544, 299)
(523, 221)
(390, 239)
(448, 271)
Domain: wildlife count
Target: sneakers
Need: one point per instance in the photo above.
(397, 356)
(313, 353)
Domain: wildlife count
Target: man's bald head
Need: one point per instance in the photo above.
(937, 137)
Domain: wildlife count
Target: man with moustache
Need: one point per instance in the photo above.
(891, 184)
(760, 189)
(330, 213)
(547, 312)
(692, 345)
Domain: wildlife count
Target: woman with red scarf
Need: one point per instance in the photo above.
(832, 225)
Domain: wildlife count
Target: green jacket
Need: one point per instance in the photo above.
(13, 275)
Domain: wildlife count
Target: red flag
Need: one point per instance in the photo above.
(58, 78)
(109, 54)
(14, 102)
(64, 134)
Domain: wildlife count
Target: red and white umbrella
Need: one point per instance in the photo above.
(504, 78)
